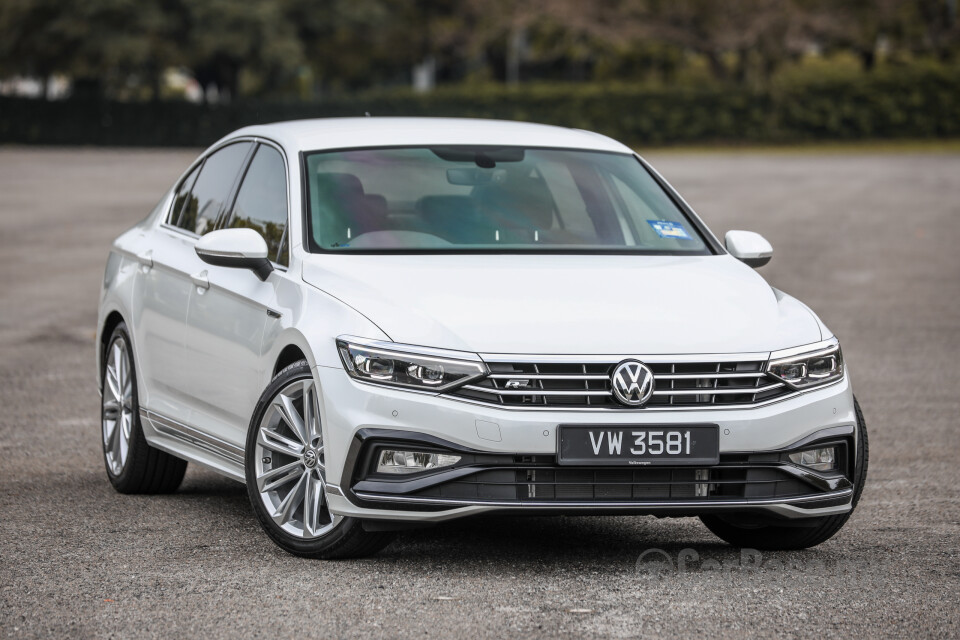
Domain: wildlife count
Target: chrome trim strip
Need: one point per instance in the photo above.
(608, 505)
(697, 376)
(174, 429)
(549, 376)
(536, 391)
(702, 391)
(334, 490)
(646, 409)
(713, 391)
(511, 358)
(604, 376)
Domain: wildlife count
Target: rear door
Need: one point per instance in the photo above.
(165, 280)
(230, 308)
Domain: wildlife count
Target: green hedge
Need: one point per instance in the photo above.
(907, 102)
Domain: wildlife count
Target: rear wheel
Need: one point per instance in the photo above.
(287, 478)
(801, 534)
(133, 466)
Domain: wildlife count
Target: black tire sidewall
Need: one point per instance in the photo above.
(803, 533)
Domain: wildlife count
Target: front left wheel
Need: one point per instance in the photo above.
(287, 477)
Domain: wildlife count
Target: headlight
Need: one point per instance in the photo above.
(392, 365)
(809, 369)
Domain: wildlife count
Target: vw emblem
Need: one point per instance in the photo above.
(632, 383)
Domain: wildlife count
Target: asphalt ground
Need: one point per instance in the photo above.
(868, 241)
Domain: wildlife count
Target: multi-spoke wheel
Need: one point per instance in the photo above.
(133, 466)
(289, 462)
(117, 405)
(287, 477)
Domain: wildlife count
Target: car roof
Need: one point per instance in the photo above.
(345, 133)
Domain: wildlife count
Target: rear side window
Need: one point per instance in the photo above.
(262, 201)
(217, 175)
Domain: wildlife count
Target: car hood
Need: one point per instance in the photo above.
(567, 304)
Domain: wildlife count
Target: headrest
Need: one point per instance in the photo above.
(339, 185)
(521, 202)
(437, 208)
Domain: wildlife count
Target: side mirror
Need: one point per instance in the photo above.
(236, 248)
(749, 247)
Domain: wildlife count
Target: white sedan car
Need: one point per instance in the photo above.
(382, 323)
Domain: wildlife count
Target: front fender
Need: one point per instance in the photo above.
(310, 320)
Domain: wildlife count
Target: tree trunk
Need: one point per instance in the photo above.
(717, 66)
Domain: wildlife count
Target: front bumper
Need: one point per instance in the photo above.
(510, 458)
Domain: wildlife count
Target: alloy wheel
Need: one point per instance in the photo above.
(290, 463)
(118, 406)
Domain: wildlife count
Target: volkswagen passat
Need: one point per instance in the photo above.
(379, 323)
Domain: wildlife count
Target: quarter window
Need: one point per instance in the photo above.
(217, 175)
(183, 195)
(262, 201)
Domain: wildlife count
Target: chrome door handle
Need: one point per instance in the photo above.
(146, 258)
(200, 280)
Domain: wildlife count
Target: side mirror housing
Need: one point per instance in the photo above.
(749, 247)
(236, 248)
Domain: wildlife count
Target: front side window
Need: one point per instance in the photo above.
(481, 198)
(217, 175)
(262, 201)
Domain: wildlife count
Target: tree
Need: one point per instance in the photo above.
(226, 37)
(95, 41)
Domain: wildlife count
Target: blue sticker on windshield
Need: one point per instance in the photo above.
(667, 229)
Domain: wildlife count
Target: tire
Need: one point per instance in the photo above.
(286, 475)
(801, 534)
(133, 466)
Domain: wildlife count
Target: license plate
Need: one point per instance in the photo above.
(639, 446)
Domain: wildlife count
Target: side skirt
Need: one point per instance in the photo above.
(192, 445)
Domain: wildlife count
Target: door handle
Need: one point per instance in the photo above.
(200, 280)
(145, 259)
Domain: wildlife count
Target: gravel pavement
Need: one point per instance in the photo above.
(868, 241)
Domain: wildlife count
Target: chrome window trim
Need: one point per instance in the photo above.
(286, 171)
(199, 161)
(164, 221)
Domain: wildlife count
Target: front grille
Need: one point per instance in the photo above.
(577, 385)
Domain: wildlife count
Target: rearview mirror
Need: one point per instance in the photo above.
(236, 248)
(749, 247)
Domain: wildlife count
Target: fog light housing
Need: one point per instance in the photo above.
(397, 461)
(821, 459)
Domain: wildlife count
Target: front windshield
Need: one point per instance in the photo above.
(496, 199)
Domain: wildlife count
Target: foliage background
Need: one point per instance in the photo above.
(643, 71)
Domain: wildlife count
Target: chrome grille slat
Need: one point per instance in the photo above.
(685, 383)
(546, 376)
(710, 391)
(536, 392)
(696, 376)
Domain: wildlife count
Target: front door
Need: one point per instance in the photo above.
(230, 308)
